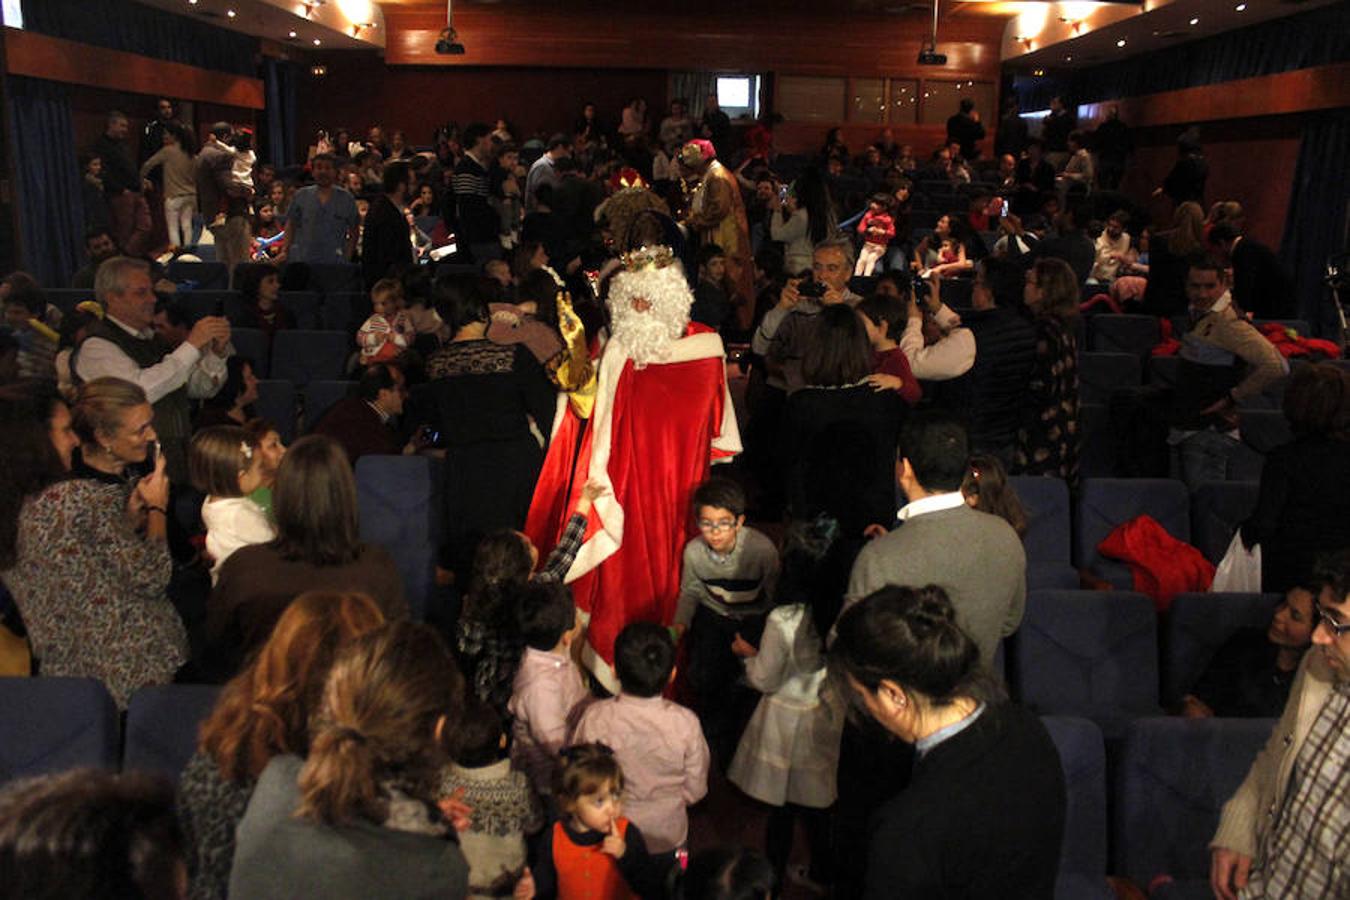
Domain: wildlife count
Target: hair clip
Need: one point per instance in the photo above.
(246, 449)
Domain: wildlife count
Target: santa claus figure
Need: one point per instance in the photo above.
(662, 416)
(717, 216)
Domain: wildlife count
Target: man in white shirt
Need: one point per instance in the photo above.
(938, 349)
(1112, 245)
(125, 345)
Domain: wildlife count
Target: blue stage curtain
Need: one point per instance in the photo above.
(134, 28)
(1316, 38)
(1315, 228)
(279, 80)
(51, 210)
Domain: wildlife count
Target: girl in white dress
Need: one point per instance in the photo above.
(225, 464)
(789, 753)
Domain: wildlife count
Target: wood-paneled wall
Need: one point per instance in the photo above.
(55, 59)
(788, 41)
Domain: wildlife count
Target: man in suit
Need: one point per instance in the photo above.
(1261, 286)
(362, 422)
(1283, 833)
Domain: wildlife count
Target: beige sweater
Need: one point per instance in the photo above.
(178, 177)
(1258, 801)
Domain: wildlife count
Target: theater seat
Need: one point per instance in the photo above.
(305, 356)
(303, 307)
(1217, 509)
(1082, 862)
(276, 403)
(1132, 334)
(213, 276)
(399, 498)
(1174, 777)
(1197, 625)
(1264, 429)
(251, 344)
(344, 311)
(54, 724)
(330, 278)
(1088, 653)
(1046, 504)
(1101, 374)
(1098, 455)
(1162, 370)
(162, 724)
(1104, 503)
(199, 304)
(320, 397)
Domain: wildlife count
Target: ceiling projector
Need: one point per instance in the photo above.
(929, 57)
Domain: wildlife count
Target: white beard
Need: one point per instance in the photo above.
(648, 335)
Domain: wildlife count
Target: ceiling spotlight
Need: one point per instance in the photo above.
(1068, 59)
(357, 26)
(317, 42)
(1120, 43)
(231, 13)
(192, 2)
(311, 5)
(1241, 7)
(1195, 21)
(291, 34)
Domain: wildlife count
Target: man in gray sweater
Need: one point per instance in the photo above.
(975, 557)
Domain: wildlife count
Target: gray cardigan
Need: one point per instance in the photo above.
(279, 856)
(975, 557)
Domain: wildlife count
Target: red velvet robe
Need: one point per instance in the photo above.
(652, 437)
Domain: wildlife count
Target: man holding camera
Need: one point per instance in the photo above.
(786, 330)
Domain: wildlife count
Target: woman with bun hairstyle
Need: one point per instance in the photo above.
(358, 817)
(983, 815)
(263, 712)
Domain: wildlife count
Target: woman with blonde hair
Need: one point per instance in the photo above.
(263, 712)
(1048, 440)
(365, 799)
(91, 564)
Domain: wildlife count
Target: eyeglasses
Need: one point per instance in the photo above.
(1339, 629)
(716, 527)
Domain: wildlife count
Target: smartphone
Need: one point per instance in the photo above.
(1003, 213)
(782, 194)
(152, 454)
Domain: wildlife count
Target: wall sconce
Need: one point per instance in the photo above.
(1075, 25)
(318, 71)
(1024, 41)
(357, 27)
(311, 5)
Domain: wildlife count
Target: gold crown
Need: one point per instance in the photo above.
(657, 256)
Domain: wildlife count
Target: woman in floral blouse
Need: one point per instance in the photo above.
(91, 564)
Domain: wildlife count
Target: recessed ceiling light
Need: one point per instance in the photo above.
(1120, 43)
(1241, 7)
(192, 2)
(1195, 21)
(1068, 59)
(290, 34)
(317, 42)
(230, 13)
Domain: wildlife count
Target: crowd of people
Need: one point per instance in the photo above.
(646, 586)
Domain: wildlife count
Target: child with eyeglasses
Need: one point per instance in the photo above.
(728, 576)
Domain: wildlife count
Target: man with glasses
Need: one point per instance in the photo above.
(1286, 832)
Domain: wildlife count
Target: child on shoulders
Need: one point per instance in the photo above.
(658, 743)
